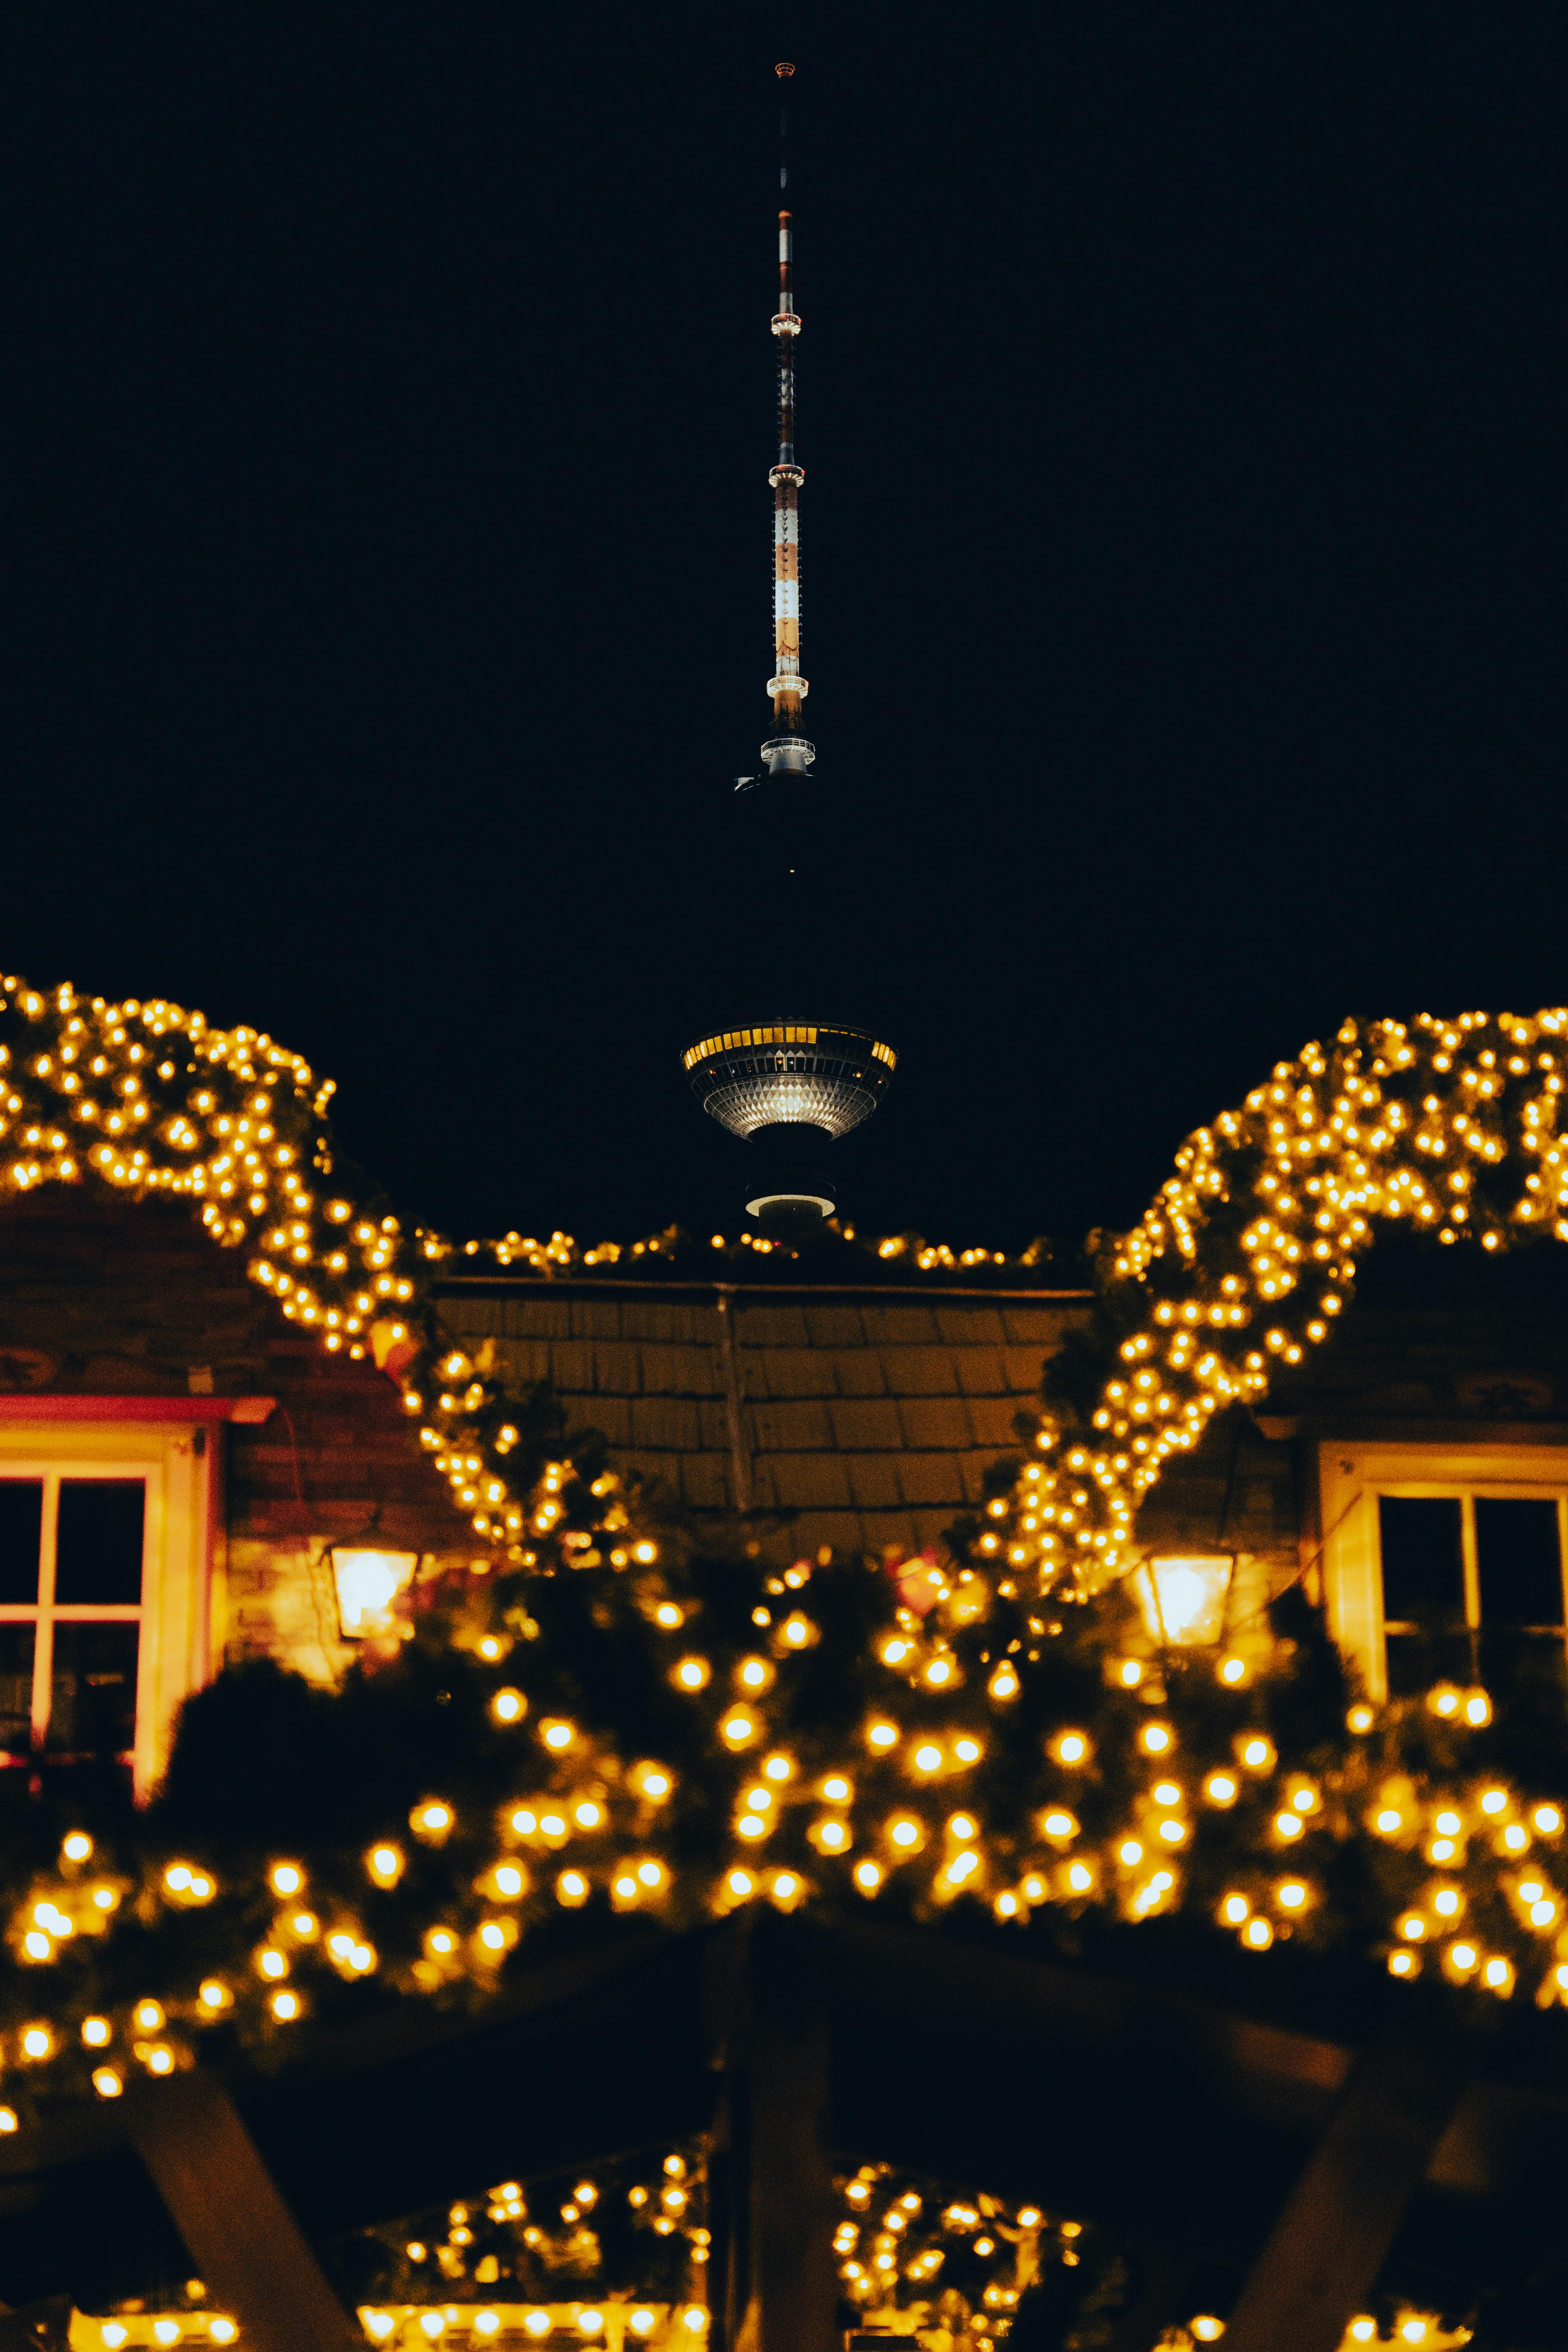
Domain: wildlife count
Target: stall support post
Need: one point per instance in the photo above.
(237, 2230)
(775, 2287)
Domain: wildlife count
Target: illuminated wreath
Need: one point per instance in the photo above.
(624, 1719)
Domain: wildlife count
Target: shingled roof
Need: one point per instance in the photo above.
(864, 1418)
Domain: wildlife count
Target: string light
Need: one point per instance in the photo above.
(1243, 1264)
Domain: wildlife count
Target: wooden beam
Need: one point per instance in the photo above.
(775, 2285)
(242, 2237)
(1321, 2259)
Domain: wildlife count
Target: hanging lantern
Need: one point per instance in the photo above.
(1183, 1599)
(367, 1583)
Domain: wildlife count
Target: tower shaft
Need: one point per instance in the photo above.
(788, 751)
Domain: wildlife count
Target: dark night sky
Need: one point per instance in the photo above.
(387, 412)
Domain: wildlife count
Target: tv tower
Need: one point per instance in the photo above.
(787, 1086)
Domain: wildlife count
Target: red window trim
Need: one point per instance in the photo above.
(27, 1404)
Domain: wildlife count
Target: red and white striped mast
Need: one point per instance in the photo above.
(787, 752)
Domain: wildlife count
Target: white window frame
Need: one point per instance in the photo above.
(1351, 1479)
(180, 1613)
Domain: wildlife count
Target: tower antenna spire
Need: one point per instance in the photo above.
(787, 752)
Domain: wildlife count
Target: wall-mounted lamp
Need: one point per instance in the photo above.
(1184, 1600)
(367, 1583)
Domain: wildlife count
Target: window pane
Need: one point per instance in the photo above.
(21, 1526)
(17, 1688)
(1520, 1566)
(94, 1710)
(98, 1559)
(1423, 1561)
(1423, 1592)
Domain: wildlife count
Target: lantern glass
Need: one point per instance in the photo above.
(1184, 1600)
(368, 1582)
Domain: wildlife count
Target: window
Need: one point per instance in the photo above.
(106, 1587)
(70, 1615)
(1448, 1566)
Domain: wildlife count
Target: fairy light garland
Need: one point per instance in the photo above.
(1003, 1738)
(910, 2250)
(1247, 1257)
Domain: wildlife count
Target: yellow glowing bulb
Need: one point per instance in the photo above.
(836, 1788)
(882, 1735)
(928, 1759)
(384, 1864)
(1547, 1820)
(692, 1674)
(96, 2031)
(905, 1833)
(740, 1884)
(508, 1705)
(286, 1878)
(77, 1847)
(106, 2082)
(739, 1728)
(558, 1735)
(868, 1877)
(1494, 1800)
(1258, 1754)
(1070, 1748)
(1235, 1909)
